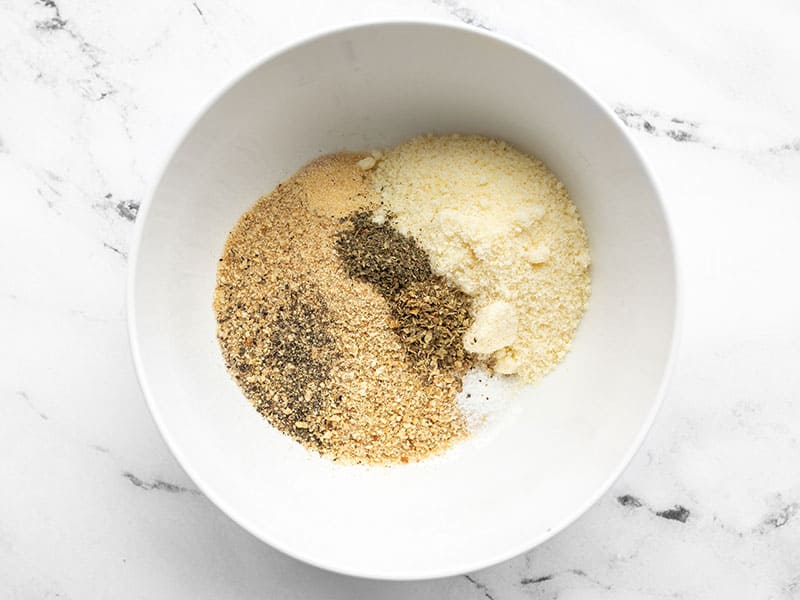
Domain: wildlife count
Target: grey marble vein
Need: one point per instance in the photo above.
(628, 500)
(481, 587)
(787, 147)
(675, 513)
(56, 23)
(127, 209)
(116, 250)
(657, 124)
(535, 580)
(464, 14)
(50, 189)
(555, 578)
(25, 398)
(157, 484)
(199, 11)
(779, 518)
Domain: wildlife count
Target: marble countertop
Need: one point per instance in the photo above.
(92, 96)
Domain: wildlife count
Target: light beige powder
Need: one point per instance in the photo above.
(500, 226)
(335, 185)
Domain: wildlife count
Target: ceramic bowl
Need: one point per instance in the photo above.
(554, 448)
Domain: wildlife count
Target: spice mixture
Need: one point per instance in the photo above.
(314, 349)
(352, 300)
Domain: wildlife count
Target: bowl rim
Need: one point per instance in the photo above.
(231, 511)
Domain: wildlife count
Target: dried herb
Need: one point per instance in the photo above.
(378, 254)
(431, 315)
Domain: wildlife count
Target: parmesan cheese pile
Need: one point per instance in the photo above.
(500, 226)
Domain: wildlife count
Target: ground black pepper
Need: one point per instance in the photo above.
(300, 353)
(296, 358)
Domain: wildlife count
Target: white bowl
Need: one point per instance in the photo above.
(558, 446)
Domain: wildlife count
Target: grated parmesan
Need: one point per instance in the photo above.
(500, 226)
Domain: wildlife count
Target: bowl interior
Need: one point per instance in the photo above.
(556, 447)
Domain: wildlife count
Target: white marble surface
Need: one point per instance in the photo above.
(92, 95)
